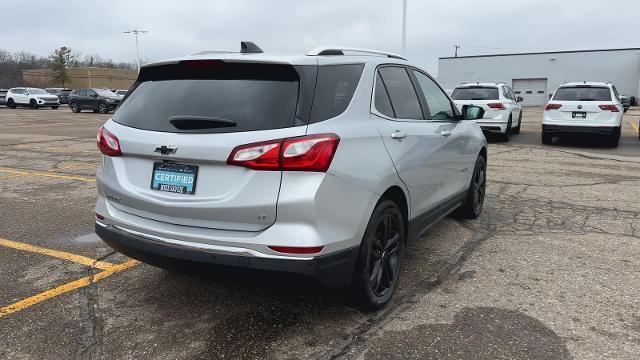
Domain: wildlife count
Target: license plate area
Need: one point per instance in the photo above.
(174, 178)
(579, 115)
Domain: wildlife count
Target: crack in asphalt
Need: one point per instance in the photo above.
(91, 322)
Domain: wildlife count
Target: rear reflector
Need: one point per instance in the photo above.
(610, 107)
(297, 250)
(552, 107)
(99, 217)
(498, 106)
(305, 153)
(108, 143)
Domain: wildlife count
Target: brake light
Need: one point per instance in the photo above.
(297, 250)
(552, 107)
(498, 106)
(610, 107)
(108, 143)
(305, 153)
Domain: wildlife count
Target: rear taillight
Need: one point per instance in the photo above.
(610, 107)
(108, 143)
(305, 153)
(552, 107)
(297, 250)
(497, 106)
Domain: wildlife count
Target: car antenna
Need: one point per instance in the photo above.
(247, 47)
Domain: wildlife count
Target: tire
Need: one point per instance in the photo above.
(507, 133)
(33, 104)
(517, 129)
(55, 107)
(547, 139)
(74, 107)
(472, 207)
(377, 272)
(614, 139)
(11, 104)
(102, 108)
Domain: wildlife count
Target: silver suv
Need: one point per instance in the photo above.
(324, 165)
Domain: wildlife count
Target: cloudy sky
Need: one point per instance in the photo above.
(433, 26)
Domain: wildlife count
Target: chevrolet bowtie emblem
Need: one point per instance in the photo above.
(166, 150)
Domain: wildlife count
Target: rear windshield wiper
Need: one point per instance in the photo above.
(189, 122)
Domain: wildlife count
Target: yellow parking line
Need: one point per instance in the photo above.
(45, 174)
(70, 286)
(102, 265)
(7, 177)
(635, 127)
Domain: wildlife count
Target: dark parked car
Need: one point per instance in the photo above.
(98, 100)
(3, 98)
(62, 93)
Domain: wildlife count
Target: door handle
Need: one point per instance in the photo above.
(398, 135)
(446, 133)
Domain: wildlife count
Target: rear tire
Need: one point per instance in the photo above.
(74, 107)
(547, 139)
(377, 271)
(472, 207)
(11, 104)
(506, 136)
(517, 129)
(614, 139)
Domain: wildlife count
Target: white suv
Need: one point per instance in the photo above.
(585, 107)
(503, 112)
(32, 97)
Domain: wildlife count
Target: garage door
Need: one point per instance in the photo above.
(533, 91)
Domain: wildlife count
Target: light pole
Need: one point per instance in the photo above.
(404, 27)
(136, 32)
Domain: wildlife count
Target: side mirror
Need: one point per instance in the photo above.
(470, 112)
(519, 99)
(94, 96)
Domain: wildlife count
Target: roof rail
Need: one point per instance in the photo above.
(340, 50)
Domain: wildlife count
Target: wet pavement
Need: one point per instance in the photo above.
(549, 271)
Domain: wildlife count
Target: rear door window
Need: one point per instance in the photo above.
(402, 93)
(334, 89)
(476, 93)
(212, 96)
(583, 93)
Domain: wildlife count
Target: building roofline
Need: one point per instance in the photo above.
(538, 53)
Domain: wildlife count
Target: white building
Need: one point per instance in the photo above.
(534, 76)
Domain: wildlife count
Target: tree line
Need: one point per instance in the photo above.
(58, 61)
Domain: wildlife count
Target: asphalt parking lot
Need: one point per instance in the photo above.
(550, 271)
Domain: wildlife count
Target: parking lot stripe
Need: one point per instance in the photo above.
(635, 127)
(45, 174)
(70, 286)
(102, 265)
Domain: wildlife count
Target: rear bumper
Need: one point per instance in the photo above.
(332, 270)
(493, 126)
(568, 129)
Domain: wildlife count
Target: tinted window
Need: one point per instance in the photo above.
(475, 93)
(440, 107)
(334, 89)
(381, 101)
(401, 92)
(583, 93)
(253, 96)
(81, 92)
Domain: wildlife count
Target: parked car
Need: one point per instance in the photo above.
(98, 100)
(61, 93)
(3, 98)
(31, 97)
(285, 163)
(503, 112)
(625, 101)
(584, 107)
(121, 93)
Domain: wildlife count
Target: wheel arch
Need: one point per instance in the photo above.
(396, 194)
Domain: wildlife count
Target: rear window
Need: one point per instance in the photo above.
(213, 97)
(582, 93)
(475, 93)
